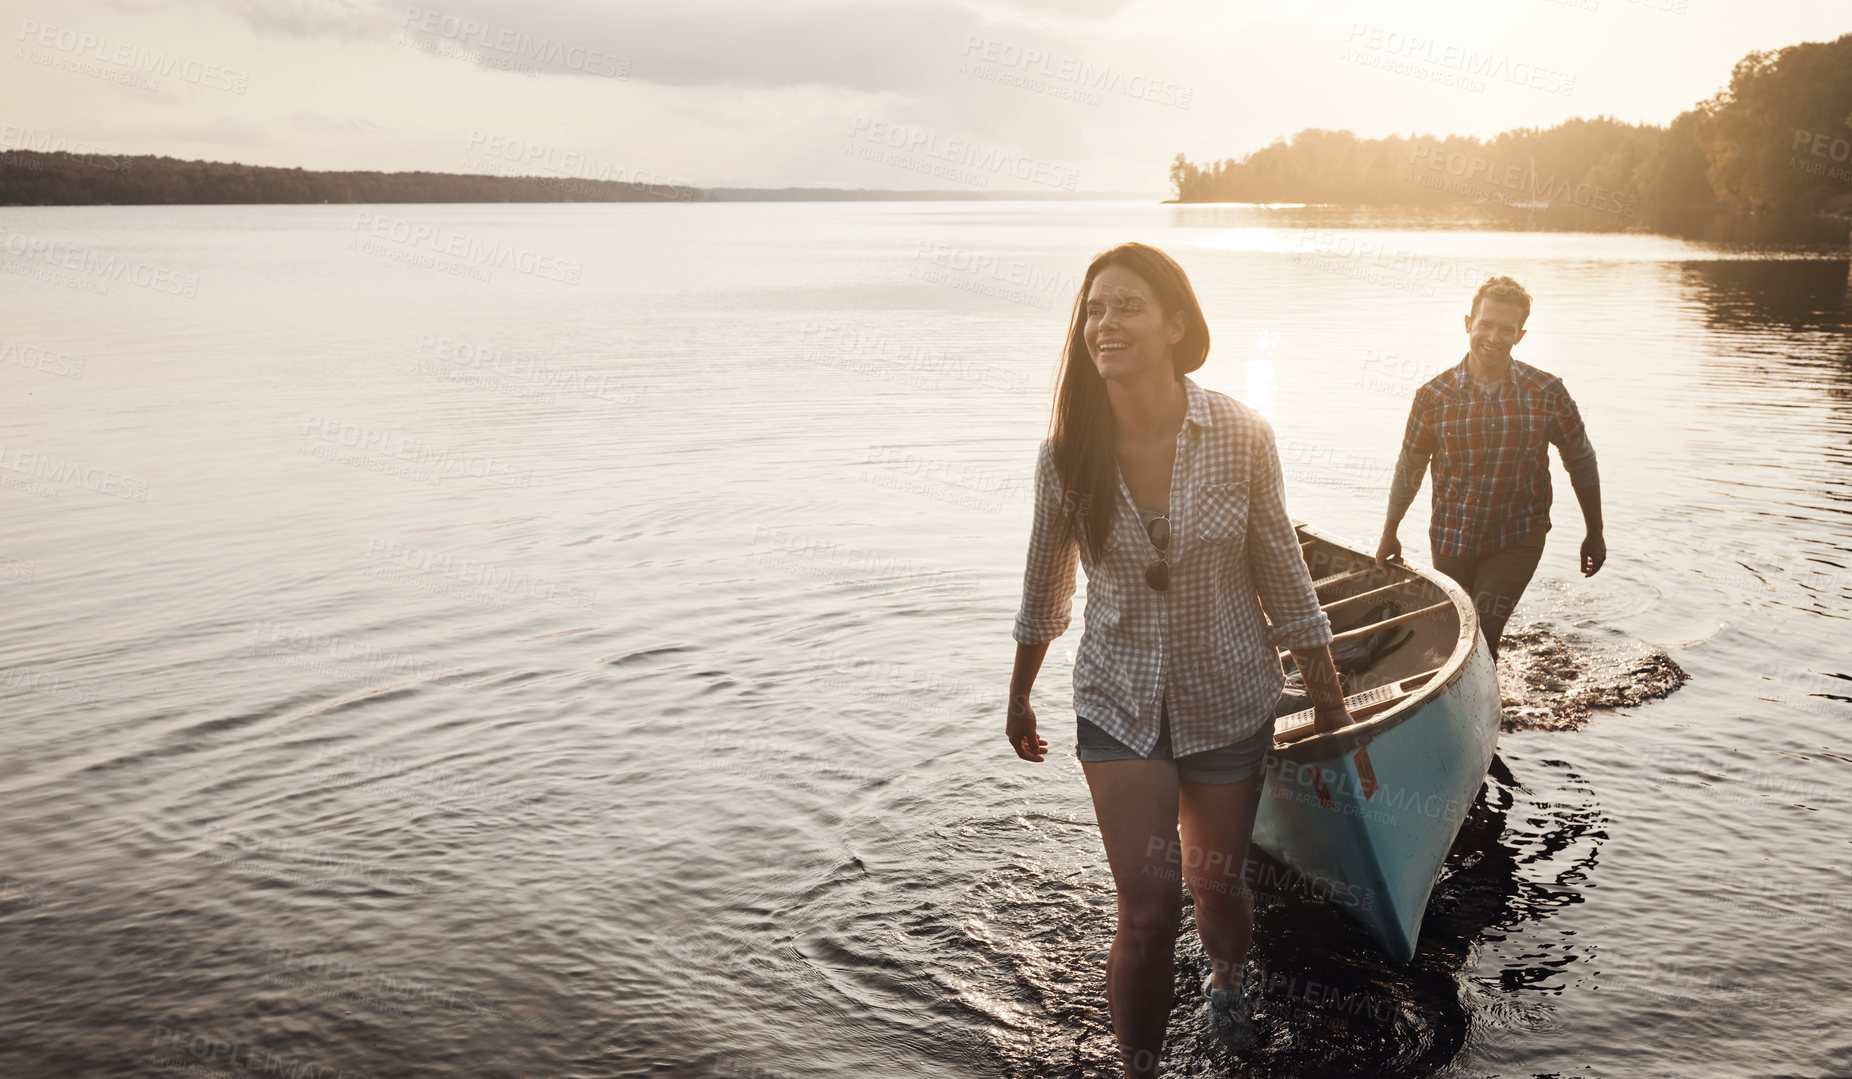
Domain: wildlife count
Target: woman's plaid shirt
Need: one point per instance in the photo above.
(1491, 451)
(1204, 643)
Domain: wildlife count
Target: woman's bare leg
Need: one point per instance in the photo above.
(1136, 805)
(1217, 822)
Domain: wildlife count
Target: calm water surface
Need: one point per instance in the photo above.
(571, 641)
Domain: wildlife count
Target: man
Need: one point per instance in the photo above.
(1487, 423)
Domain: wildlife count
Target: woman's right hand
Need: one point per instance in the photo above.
(1020, 727)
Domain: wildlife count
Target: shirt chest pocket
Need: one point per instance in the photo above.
(1526, 427)
(1222, 512)
(1456, 434)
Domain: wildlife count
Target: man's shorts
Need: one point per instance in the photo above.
(1223, 764)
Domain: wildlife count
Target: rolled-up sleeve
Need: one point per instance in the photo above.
(1571, 438)
(1054, 553)
(1274, 562)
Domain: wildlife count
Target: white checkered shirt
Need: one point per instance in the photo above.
(1205, 643)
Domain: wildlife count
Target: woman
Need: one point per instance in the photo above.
(1170, 496)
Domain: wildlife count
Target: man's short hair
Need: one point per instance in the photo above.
(1503, 289)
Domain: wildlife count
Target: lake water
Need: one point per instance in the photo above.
(571, 640)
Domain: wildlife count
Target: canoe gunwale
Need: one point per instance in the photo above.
(1316, 747)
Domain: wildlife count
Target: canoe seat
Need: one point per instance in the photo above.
(1297, 725)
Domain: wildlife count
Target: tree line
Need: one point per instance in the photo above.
(1777, 140)
(62, 178)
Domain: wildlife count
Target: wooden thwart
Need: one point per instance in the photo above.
(1365, 631)
(1409, 616)
(1341, 578)
(1336, 603)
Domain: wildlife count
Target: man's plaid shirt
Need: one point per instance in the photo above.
(1204, 644)
(1490, 449)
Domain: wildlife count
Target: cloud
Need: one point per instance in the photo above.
(330, 125)
(351, 20)
(1066, 9)
(904, 46)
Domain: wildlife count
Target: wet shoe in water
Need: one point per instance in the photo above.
(1226, 1019)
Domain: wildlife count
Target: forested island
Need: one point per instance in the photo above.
(1778, 140)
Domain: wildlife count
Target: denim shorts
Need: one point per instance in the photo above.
(1223, 764)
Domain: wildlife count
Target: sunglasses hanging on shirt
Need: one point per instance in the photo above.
(1157, 574)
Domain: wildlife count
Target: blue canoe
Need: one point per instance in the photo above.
(1368, 813)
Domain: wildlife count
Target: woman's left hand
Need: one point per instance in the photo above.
(1324, 687)
(1331, 719)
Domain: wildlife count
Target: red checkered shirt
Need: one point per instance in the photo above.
(1490, 450)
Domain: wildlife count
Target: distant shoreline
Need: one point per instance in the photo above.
(62, 178)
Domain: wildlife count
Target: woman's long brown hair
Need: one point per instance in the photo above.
(1081, 428)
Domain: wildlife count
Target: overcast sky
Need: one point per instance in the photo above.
(1089, 95)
